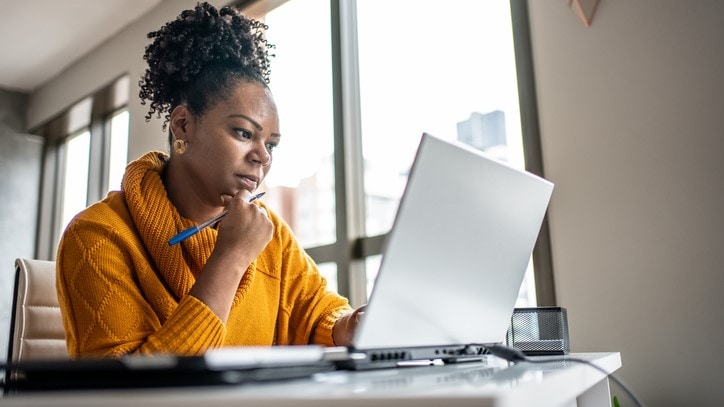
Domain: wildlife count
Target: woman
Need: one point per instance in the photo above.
(123, 289)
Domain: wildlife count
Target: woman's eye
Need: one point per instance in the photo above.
(271, 147)
(243, 133)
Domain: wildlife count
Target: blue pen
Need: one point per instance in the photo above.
(196, 229)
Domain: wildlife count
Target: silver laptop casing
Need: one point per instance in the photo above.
(456, 256)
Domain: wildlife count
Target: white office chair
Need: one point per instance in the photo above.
(36, 328)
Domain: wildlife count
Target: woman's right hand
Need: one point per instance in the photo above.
(243, 234)
(245, 230)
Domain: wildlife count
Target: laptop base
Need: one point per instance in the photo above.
(416, 356)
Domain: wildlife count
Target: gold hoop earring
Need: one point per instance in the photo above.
(179, 146)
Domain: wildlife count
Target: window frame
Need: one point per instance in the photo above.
(532, 146)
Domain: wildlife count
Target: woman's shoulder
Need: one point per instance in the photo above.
(111, 210)
(103, 220)
(104, 227)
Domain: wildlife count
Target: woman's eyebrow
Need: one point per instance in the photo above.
(249, 119)
(256, 125)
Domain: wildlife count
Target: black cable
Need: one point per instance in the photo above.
(516, 355)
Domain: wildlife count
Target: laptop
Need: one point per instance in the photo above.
(454, 261)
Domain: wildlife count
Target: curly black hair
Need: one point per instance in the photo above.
(195, 59)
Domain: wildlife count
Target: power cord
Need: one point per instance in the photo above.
(516, 355)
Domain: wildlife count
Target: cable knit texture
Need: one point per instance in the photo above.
(123, 289)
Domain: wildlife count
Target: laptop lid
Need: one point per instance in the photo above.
(457, 253)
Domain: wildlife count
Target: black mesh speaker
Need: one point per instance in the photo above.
(539, 331)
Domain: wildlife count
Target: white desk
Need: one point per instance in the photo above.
(555, 384)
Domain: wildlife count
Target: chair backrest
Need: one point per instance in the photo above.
(36, 329)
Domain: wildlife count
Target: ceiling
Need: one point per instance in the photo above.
(40, 38)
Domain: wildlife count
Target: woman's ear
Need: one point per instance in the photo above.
(180, 121)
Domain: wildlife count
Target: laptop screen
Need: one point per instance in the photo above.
(456, 256)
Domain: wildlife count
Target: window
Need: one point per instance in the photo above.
(75, 176)
(118, 145)
(303, 163)
(449, 71)
(355, 93)
(85, 157)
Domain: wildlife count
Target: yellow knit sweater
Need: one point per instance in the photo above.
(123, 289)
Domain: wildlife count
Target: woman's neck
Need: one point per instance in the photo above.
(188, 203)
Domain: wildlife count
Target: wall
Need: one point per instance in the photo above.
(632, 135)
(19, 187)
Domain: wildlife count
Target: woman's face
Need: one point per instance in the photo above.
(229, 148)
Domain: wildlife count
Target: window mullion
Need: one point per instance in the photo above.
(349, 182)
(97, 173)
(542, 259)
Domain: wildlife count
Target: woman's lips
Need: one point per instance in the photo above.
(248, 183)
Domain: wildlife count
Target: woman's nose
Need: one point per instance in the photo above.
(260, 154)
